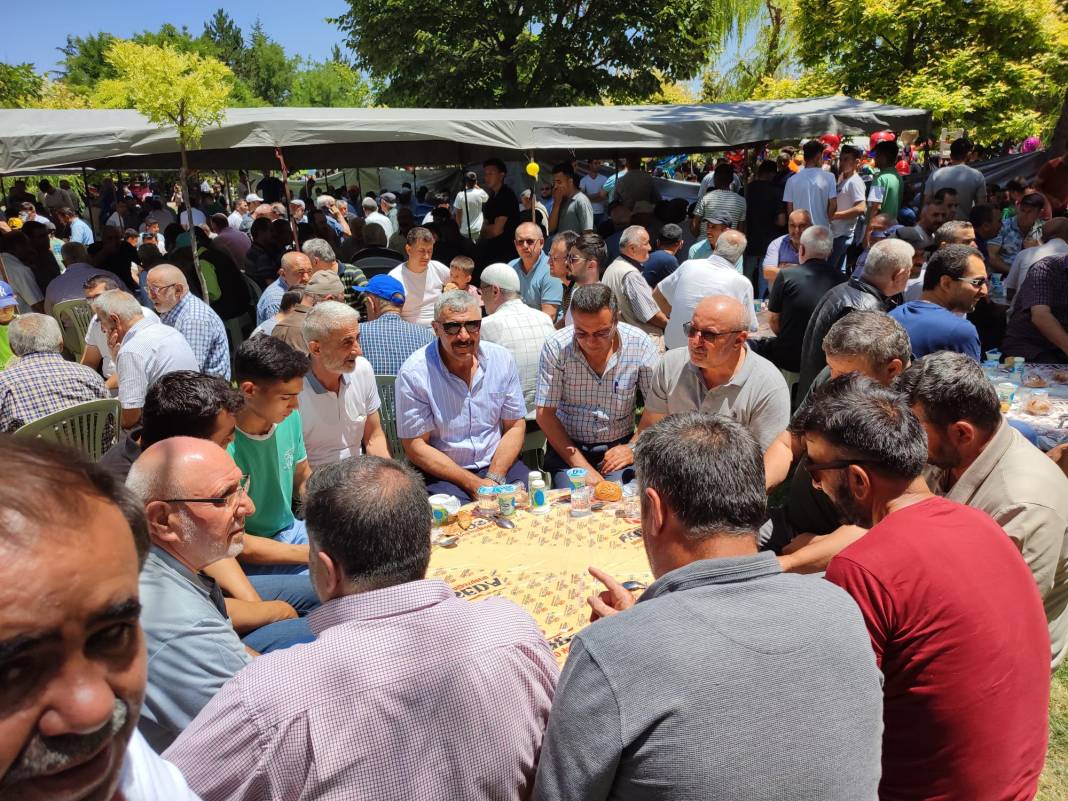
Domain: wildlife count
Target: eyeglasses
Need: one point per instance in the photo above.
(707, 336)
(604, 333)
(814, 468)
(470, 326)
(572, 259)
(155, 290)
(528, 242)
(978, 283)
(229, 499)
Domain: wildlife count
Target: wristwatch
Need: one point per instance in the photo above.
(496, 478)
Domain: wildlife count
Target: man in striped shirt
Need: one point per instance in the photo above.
(202, 328)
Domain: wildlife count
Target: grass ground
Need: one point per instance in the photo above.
(1054, 785)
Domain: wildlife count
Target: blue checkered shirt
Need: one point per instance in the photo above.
(596, 409)
(42, 383)
(271, 300)
(205, 332)
(388, 341)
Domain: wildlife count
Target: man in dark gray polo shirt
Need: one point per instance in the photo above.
(718, 373)
(728, 679)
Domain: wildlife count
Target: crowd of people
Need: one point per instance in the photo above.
(256, 619)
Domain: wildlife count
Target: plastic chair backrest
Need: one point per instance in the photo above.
(377, 264)
(92, 428)
(74, 317)
(254, 290)
(387, 413)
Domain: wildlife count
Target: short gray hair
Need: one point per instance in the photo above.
(630, 235)
(591, 298)
(954, 232)
(708, 470)
(35, 333)
(817, 241)
(874, 336)
(73, 253)
(888, 256)
(117, 302)
(318, 250)
(324, 200)
(455, 301)
(369, 203)
(325, 317)
(730, 246)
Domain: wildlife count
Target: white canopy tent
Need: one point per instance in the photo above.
(57, 140)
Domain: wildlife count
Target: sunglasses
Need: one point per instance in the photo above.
(814, 468)
(976, 282)
(225, 500)
(528, 242)
(707, 336)
(604, 333)
(470, 326)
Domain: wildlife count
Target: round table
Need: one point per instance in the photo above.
(542, 563)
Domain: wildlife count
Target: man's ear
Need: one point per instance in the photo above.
(657, 512)
(248, 388)
(859, 482)
(158, 515)
(329, 577)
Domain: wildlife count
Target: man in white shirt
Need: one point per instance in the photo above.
(969, 183)
(514, 325)
(75, 658)
(237, 216)
(97, 352)
(339, 402)
(592, 185)
(467, 207)
(680, 292)
(849, 205)
(422, 277)
(146, 349)
(812, 188)
(19, 275)
(785, 250)
(371, 214)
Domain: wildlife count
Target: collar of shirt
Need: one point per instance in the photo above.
(203, 584)
(175, 311)
(629, 260)
(714, 571)
(401, 599)
(574, 352)
(515, 305)
(979, 470)
(435, 362)
(318, 388)
(143, 323)
(542, 260)
(43, 357)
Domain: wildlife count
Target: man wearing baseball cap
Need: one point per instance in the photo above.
(388, 340)
(323, 285)
(296, 211)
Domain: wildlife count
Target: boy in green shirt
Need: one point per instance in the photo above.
(884, 197)
(268, 446)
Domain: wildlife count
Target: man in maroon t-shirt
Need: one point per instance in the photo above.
(954, 616)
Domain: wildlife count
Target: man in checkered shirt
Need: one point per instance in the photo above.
(194, 319)
(407, 693)
(42, 381)
(588, 383)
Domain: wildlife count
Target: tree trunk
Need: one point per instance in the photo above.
(1059, 143)
(189, 217)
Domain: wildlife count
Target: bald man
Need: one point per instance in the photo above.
(195, 503)
(295, 270)
(717, 373)
(194, 319)
(538, 288)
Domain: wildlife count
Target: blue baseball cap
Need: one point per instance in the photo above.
(7, 295)
(382, 286)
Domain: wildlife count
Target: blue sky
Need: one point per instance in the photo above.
(34, 31)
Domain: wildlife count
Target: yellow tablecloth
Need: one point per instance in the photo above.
(542, 564)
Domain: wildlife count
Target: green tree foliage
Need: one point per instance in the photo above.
(535, 53)
(20, 86)
(266, 68)
(996, 67)
(761, 54)
(329, 84)
(84, 62)
(227, 38)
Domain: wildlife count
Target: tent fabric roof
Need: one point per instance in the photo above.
(35, 139)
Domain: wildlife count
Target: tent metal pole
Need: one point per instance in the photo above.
(88, 202)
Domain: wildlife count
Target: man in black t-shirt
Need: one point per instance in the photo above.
(500, 217)
(765, 219)
(270, 188)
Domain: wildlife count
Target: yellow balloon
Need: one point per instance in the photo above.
(533, 169)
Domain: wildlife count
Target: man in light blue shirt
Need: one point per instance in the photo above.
(79, 229)
(295, 271)
(706, 246)
(460, 410)
(538, 288)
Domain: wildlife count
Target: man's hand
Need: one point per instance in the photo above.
(617, 458)
(278, 610)
(1059, 455)
(476, 483)
(610, 601)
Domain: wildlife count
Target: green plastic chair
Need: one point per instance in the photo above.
(92, 428)
(74, 317)
(387, 412)
(533, 453)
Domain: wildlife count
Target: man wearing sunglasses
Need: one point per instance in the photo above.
(718, 373)
(954, 282)
(588, 380)
(195, 500)
(540, 290)
(460, 412)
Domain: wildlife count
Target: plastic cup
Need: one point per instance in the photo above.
(487, 501)
(581, 499)
(443, 507)
(539, 500)
(577, 477)
(506, 500)
(1006, 392)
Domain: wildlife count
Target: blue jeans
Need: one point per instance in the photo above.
(296, 534)
(436, 486)
(297, 591)
(838, 253)
(594, 454)
(753, 269)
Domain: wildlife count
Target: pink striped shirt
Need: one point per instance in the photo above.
(407, 693)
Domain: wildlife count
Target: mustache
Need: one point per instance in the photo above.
(46, 755)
